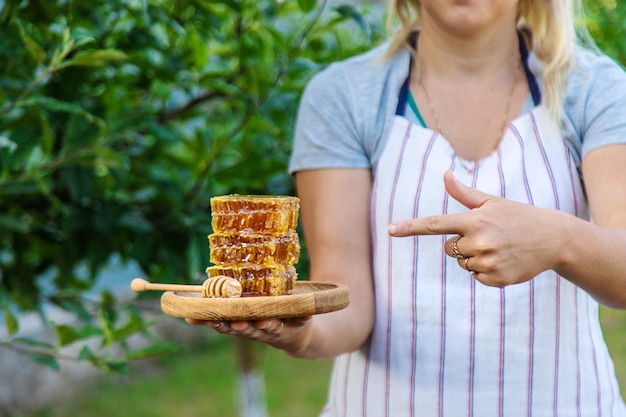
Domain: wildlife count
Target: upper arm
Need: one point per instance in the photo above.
(596, 105)
(335, 220)
(335, 213)
(605, 184)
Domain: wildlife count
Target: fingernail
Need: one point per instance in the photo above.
(392, 229)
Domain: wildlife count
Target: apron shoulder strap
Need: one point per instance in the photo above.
(404, 90)
(533, 86)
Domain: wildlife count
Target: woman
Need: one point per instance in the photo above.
(448, 179)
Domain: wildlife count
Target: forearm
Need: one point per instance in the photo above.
(346, 261)
(593, 258)
(594, 255)
(335, 333)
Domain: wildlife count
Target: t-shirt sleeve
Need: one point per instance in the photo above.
(601, 113)
(326, 133)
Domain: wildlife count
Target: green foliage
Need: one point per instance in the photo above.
(202, 382)
(120, 119)
(293, 387)
(607, 25)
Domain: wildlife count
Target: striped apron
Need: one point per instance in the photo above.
(444, 344)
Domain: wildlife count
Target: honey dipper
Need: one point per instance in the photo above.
(219, 286)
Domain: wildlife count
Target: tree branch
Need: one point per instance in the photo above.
(165, 117)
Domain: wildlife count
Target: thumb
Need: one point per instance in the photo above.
(468, 196)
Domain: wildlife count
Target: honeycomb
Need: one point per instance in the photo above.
(255, 241)
(258, 279)
(254, 248)
(258, 214)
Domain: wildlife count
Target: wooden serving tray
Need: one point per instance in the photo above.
(307, 298)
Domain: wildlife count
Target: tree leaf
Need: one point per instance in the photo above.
(86, 354)
(54, 104)
(94, 58)
(108, 316)
(154, 350)
(119, 366)
(10, 321)
(116, 367)
(67, 335)
(6, 143)
(33, 343)
(34, 49)
(307, 5)
(72, 305)
(45, 359)
(133, 326)
(351, 12)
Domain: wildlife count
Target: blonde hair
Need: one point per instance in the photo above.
(556, 27)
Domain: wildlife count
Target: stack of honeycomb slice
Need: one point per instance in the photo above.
(255, 241)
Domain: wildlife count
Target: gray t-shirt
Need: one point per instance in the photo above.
(347, 109)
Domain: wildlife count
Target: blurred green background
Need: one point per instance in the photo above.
(202, 381)
(119, 120)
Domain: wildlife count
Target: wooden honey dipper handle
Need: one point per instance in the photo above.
(216, 287)
(141, 285)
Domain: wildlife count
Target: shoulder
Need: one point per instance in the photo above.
(360, 75)
(348, 107)
(371, 64)
(595, 100)
(594, 72)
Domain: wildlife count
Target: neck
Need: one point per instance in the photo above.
(476, 54)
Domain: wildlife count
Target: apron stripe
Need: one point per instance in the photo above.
(472, 331)
(394, 188)
(546, 161)
(557, 339)
(531, 344)
(346, 383)
(578, 413)
(557, 278)
(442, 337)
(502, 337)
(520, 142)
(502, 301)
(443, 310)
(596, 370)
(572, 175)
(366, 379)
(414, 274)
(472, 344)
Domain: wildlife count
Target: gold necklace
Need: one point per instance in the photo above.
(507, 107)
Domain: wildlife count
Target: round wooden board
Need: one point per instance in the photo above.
(307, 298)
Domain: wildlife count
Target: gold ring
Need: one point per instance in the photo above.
(455, 249)
(282, 326)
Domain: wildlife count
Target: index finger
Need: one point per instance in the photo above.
(442, 224)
